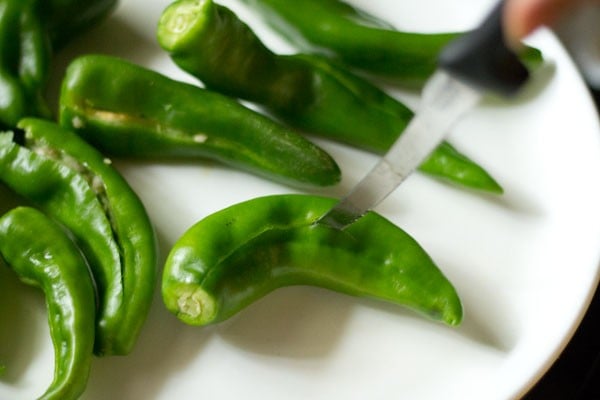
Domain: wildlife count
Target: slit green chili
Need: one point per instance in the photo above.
(360, 40)
(42, 255)
(310, 93)
(127, 110)
(233, 257)
(72, 182)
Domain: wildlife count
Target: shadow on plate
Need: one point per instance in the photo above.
(487, 320)
(23, 319)
(297, 321)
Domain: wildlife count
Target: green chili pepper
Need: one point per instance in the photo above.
(65, 19)
(30, 30)
(42, 255)
(210, 42)
(60, 173)
(126, 110)
(237, 255)
(24, 62)
(360, 40)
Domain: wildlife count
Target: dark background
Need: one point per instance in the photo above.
(576, 373)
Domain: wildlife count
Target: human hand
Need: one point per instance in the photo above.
(522, 17)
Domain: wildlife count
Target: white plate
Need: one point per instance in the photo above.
(525, 264)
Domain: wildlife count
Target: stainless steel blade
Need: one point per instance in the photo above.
(444, 101)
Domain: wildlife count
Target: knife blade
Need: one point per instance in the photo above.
(476, 63)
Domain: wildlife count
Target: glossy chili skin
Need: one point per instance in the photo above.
(42, 255)
(24, 61)
(360, 40)
(129, 111)
(71, 181)
(239, 254)
(313, 94)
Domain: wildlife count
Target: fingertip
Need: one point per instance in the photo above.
(522, 17)
(517, 22)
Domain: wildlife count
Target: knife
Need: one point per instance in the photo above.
(468, 67)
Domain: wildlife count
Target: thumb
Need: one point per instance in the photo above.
(521, 17)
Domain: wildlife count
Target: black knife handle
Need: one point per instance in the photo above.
(482, 59)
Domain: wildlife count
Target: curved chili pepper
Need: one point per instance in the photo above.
(24, 62)
(127, 110)
(66, 177)
(239, 254)
(42, 254)
(210, 42)
(360, 40)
